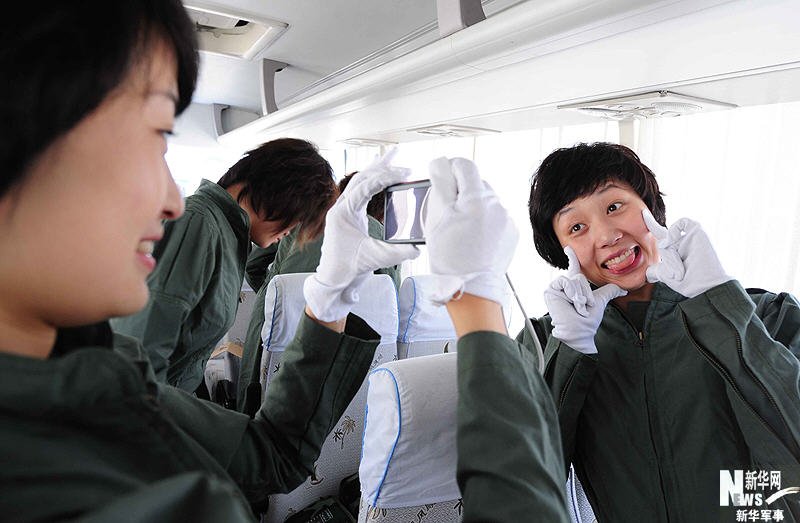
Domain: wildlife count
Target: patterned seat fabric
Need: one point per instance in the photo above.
(341, 451)
(580, 511)
(408, 468)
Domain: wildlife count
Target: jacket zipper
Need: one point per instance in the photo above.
(761, 386)
(563, 395)
(728, 378)
(640, 336)
(639, 333)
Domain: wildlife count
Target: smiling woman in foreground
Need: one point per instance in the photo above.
(90, 91)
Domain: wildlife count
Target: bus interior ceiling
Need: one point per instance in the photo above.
(360, 76)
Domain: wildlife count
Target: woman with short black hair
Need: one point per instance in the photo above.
(665, 371)
(90, 90)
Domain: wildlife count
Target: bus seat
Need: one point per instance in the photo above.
(341, 450)
(222, 365)
(580, 511)
(408, 467)
(409, 458)
(425, 328)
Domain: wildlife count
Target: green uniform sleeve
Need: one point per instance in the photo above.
(275, 451)
(568, 374)
(781, 317)
(510, 465)
(289, 258)
(185, 267)
(756, 356)
(255, 271)
(204, 498)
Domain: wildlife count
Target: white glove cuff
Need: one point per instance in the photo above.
(445, 288)
(328, 303)
(483, 284)
(584, 345)
(488, 285)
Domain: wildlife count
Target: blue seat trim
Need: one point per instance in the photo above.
(404, 338)
(374, 501)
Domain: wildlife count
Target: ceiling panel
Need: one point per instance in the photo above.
(323, 36)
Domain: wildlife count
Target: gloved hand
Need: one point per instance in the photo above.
(689, 264)
(349, 254)
(470, 236)
(575, 309)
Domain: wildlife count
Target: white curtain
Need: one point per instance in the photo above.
(737, 172)
(507, 161)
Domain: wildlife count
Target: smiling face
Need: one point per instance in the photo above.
(82, 223)
(607, 232)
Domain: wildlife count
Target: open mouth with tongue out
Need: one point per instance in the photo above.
(623, 261)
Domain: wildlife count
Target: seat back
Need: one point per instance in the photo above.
(408, 463)
(222, 366)
(284, 305)
(425, 328)
(580, 510)
(341, 450)
(408, 467)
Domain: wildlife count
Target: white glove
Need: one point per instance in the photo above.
(349, 254)
(575, 309)
(470, 236)
(689, 264)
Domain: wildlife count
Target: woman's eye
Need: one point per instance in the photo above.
(578, 227)
(614, 207)
(167, 132)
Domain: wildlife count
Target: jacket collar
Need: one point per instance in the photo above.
(74, 386)
(663, 293)
(71, 338)
(237, 217)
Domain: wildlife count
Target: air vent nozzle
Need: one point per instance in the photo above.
(233, 33)
(655, 104)
(452, 131)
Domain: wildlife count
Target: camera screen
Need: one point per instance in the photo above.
(405, 212)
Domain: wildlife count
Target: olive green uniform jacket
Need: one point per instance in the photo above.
(510, 467)
(90, 433)
(710, 383)
(194, 289)
(289, 259)
(255, 272)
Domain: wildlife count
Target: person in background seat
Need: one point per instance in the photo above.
(194, 289)
(291, 257)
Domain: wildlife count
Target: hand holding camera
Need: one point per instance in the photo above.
(470, 236)
(349, 254)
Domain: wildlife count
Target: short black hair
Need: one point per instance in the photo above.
(59, 60)
(574, 172)
(288, 181)
(377, 204)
